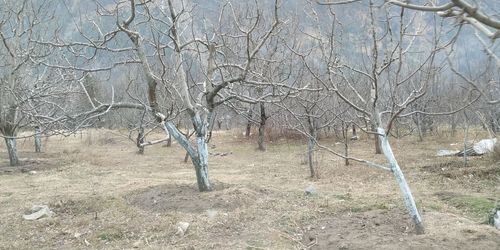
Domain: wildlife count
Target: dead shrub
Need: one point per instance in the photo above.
(276, 134)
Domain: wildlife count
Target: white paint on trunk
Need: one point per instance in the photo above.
(202, 166)
(403, 185)
(199, 156)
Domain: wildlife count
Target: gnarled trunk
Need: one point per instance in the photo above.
(403, 185)
(199, 156)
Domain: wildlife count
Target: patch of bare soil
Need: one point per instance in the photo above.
(445, 166)
(391, 229)
(456, 169)
(187, 198)
(77, 207)
(343, 231)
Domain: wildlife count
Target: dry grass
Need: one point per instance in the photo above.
(105, 196)
(495, 155)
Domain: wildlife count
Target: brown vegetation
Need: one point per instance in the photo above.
(106, 196)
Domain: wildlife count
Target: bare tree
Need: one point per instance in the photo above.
(385, 82)
(28, 92)
(310, 113)
(201, 99)
(463, 10)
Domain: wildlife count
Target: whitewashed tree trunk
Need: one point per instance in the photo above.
(199, 156)
(403, 185)
(201, 165)
(12, 150)
(38, 140)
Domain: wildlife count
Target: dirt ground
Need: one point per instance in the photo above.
(106, 196)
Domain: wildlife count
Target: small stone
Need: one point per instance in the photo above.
(137, 244)
(182, 228)
(212, 213)
(343, 246)
(311, 190)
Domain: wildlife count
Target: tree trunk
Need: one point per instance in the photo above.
(419, 129)
(201, 165)
(493, 125)
(219, 124)
(169, 141)
(310, 144)
(198, 156)
(310, 156)
(38, 140)
(453, 125)
(12, 150)
(345, 132)
(140, 140)
(346, 143)
(378, 149)
(403, 185)
(465, 140)
(248, 129)
(262, 127)
(249, 124)
(346, 152)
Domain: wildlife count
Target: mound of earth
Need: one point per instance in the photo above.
(382, 229)
(187, 198)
